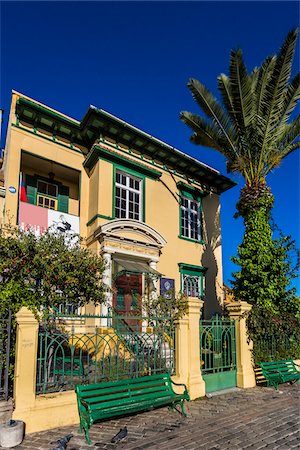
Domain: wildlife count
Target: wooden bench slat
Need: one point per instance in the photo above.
(128, 402)
(124, 388)
(112, 384)
(125, 394)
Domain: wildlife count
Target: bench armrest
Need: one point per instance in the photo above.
(84, 403)
(180, 384)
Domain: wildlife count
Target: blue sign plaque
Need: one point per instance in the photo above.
(167, 286)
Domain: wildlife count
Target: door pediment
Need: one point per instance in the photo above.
(130, 232)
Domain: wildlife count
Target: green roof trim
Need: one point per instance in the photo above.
(98, 123)
(194, 191)
(191, 269)
(101, 153)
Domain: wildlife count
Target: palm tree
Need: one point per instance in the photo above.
(252, 128)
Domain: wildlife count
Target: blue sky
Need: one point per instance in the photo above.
(134, 60)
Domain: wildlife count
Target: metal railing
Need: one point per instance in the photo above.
(89, 349)
(5, 348)
(274, 348)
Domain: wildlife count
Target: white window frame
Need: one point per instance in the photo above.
(188, 281)
(128, 190)
(191, 212)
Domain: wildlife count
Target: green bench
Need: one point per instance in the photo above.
(118, 398)
(68, 366)
(276, 372)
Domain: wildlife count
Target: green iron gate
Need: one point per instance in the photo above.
(218, 353)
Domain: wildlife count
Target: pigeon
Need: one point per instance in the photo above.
(120, 436)
(62, 442)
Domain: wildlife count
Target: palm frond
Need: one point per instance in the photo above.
(274, 93)
(241, 92)
(264, 74)
(277, 158)
(205, 133)
(212, 109)
(291, 99)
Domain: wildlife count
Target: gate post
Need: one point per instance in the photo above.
(26, 358)
(188, 364)
(245, 372)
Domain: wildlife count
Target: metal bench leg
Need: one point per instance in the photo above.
(182, 408)
(87, 437)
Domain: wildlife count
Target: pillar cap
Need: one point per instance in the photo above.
(24, 315)
(237, 308)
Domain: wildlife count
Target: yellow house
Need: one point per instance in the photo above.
(150, 210)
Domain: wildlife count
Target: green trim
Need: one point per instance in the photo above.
(48, 111)
(87, 131)
(98, 216)
(46, 138)
(107, 155)
(135, 174)
(191, 240)
(190, 190)
(190, 269)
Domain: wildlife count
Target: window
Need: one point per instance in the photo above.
(191, 285)
(190, 211)
(192, 280)
(128, 196)
(47, 194)
(47, 188)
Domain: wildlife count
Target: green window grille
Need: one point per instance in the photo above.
(192, 279)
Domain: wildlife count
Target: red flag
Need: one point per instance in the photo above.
(23, 196)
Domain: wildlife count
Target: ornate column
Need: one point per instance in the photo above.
(245, 371)
(107, 280)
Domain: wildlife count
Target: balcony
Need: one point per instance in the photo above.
(49, 195)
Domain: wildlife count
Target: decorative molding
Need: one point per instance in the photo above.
(115, 227)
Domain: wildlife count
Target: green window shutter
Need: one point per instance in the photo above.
(63, 198)
(31, 189)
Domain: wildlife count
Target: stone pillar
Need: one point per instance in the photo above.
(188, 364)
(245, 371)
(26, 361)
(107, 280)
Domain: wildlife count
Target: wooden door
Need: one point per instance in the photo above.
(127, 298)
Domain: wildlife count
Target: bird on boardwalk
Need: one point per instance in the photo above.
(62, 442)
(122, 434)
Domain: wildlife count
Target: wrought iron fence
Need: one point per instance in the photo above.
(274, 347)
(217, 345)
(5, 347)
(89, 349)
